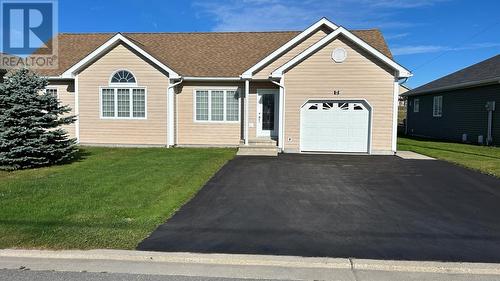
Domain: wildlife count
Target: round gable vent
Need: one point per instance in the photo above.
(339, 54)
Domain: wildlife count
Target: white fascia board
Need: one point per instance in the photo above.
(58, 78)
(249, 73)
(401, 71)
(110, 44)
(194, 78)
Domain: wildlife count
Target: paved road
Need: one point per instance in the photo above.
(373, 207)
(28, 275)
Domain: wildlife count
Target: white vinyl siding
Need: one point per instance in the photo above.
(217, 105)
(123, 103)
(437, 106)
(416, 105)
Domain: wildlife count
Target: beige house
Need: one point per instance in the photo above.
(325, 89)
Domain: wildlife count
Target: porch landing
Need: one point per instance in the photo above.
(258, 147)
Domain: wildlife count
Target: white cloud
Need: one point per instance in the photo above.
(405, 4)
(396, 35)
(256, 15)
(423, 49)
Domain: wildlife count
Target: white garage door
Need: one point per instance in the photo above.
(335, 126)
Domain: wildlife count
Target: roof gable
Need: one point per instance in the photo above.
(402, 72)
(289, 45)
(109, 44)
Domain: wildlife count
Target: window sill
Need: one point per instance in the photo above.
(216, 122)
(123, 118)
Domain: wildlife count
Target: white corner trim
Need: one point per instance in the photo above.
(281, 112)
(171, 109)
(247, 102)
(108, 45)
(395, 106)
(248, 73)
(402, 72)
(77, 111)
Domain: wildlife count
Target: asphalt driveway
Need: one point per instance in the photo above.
(378, 207)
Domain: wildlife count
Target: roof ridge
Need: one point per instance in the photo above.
(190, 32)
(200, 32)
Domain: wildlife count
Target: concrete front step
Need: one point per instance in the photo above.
(259, 147)
(260, 141)
(257, 151)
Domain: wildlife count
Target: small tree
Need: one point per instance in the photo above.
(30, 124)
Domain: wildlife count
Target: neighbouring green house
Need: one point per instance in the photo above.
(459, 106)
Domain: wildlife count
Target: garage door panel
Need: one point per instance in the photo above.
(335, 127)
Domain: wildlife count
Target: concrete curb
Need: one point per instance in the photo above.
(427, 267)
(216, 259)
(259, 260)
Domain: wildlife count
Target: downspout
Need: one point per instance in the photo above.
(170, 114)
(406, 100)
(395, 106)
(281, 121)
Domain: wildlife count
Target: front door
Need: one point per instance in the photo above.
(267, 104)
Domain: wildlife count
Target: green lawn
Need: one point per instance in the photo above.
(112, 198)
(481, 158)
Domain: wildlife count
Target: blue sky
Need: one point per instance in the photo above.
(430, 37)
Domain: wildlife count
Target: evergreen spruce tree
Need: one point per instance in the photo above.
(30, 120)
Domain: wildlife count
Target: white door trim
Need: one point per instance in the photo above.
(266, 133)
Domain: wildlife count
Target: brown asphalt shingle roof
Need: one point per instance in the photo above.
(214, 54)
(485, 70)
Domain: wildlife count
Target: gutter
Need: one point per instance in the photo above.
(58, 78)
(193, 78)
(495, 80)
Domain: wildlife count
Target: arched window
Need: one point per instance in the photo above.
(123, 76)
(123, 98)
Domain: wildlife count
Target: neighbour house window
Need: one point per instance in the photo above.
(437, 106)
(123, 99)
(51, 91)
(416, 105)
(217, 105)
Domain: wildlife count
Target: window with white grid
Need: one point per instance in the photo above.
(202, 105)
(217, 102)
(108, 102)
(139, 103)
(123, 99)
(232, 106)
(217, 105)
(123, 103)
